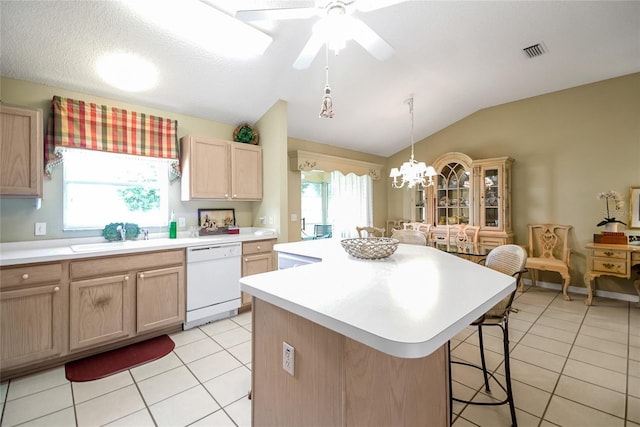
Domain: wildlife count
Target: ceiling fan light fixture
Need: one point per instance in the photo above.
(335, 29)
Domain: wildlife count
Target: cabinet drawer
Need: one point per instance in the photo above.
(257, 247)
(119, 264)
(635, 257)
(609, 265)
(31, 275)
(609, 253)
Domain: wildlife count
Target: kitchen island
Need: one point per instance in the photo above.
(369, 336)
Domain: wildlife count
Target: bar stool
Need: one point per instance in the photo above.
(511, 260)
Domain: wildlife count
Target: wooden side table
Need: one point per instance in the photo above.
(610, 260)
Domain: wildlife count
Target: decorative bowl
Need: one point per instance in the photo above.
(370, 247)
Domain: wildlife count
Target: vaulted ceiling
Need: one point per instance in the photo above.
(454, 57)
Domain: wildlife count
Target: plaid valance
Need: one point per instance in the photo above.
(78, 124)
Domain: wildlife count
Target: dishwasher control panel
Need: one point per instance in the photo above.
(208, 252)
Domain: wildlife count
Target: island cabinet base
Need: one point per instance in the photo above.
(339, 381)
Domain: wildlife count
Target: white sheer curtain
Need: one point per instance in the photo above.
(350, 203)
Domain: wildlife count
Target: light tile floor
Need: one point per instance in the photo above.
(572, 365)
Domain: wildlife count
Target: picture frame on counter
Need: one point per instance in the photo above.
(216, 221)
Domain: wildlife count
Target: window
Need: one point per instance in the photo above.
(100, 188)
(343, 202)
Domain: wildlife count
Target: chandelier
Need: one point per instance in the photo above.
(412, 172)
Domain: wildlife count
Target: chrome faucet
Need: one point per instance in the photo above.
(123, 231)
(145, 234)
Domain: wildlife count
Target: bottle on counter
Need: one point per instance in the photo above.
(173, 227)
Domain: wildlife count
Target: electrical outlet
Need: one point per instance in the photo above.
(182, 222)
(41, 229)
(294, 217)
(270, 220)
(288, 358)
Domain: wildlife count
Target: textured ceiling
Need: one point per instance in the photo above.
(453, 57)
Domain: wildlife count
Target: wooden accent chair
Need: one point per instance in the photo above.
(370, 231)
(419, 226)
(412, 237)
(549, 250)
(508, 259)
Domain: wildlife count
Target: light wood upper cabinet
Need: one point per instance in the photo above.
(218, 169)
(21, 152)
(246, 172)
(32, 305)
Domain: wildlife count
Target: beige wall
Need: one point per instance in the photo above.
(272, 128)
(379, 188)
(567, 145)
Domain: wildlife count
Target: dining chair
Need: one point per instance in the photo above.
(322, 231)
(548, 250)
(508, 259)
(370, 231)
(462, 233)
(419, 226)
(412, 237)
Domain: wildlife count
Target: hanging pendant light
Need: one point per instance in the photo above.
(326, 111)
(412, 172)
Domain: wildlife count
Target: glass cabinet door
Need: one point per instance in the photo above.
(491, 199)
(453, 195)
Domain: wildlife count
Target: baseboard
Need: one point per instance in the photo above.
(583, 290)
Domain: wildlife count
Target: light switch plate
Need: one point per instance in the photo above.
(41, 229)
(182, 222)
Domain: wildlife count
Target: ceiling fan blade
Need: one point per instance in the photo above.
(369, 5)
(309, 52)
(276, 14)
(372, 42)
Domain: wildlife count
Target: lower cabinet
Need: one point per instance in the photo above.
(160, 298)
(100, 311)
(257, 257)
(52, 312)
(31, 326)
(124, 296)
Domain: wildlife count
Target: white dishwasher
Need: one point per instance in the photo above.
(213, 282)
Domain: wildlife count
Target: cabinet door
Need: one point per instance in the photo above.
(246, 172)
(21, 152)
(100, 311)
(160, 298)
(453, 195)
(205, 168)
(492, 198)
(31, 325)
(254, 264)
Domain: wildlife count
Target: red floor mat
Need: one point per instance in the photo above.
(118, 360)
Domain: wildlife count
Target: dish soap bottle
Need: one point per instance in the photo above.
(173, 227)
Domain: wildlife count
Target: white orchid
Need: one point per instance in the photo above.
(618, 203)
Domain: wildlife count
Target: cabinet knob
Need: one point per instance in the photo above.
(25, 276)
(258, 247)
(608, 253)
(126, 277)
(246, 260)
(608, 266)
(56, 289)
(235, 195)
(226, 195)
(141, 275)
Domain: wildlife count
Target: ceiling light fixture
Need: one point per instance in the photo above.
(326, 111)
(412, 172)
(127, 71)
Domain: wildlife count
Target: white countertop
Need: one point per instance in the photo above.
(407, 305)
(14, 253)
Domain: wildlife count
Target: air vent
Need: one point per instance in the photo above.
(535, 50)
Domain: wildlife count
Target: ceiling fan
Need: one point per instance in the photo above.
(336, 26)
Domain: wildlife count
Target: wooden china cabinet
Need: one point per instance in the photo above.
(474, 192)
